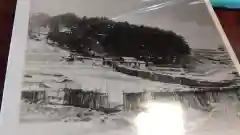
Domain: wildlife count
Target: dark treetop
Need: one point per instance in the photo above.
(101, 36)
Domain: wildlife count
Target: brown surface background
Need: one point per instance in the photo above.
(7, 8)
(230, 20)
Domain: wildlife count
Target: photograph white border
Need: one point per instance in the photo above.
(9, 116)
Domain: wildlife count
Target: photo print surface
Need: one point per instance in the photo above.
(120, 67)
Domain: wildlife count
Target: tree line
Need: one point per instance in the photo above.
(100, 35)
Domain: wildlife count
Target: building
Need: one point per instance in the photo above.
(55, 97)
(142, 64)
(129, 61)
(34, 91)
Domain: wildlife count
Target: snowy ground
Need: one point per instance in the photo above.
(88, 76)
(59, 128)
(41, 58)
(221, 121)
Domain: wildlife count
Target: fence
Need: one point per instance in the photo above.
(198, 100)
(34, 96)
(78, 98)
(170, 78)
(86, 99)
(133, 101)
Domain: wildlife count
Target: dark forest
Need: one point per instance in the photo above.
(100, 36)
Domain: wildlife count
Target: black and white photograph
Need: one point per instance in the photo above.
(120, 67)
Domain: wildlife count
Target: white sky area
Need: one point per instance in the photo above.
(189, 18)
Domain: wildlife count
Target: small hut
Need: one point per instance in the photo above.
(58, 87)
(129, 61)
(34, 91)
(141, 64)
(55, 97)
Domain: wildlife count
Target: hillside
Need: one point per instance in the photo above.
(102, 36)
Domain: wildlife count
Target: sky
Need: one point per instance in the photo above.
(188, 18)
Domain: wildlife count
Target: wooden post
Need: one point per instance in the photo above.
(124, 101)
(45, 97)
(33, 99)
(71, 97)
(98, 100)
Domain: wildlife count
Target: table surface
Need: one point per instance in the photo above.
(230, 20)
(7, 8)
